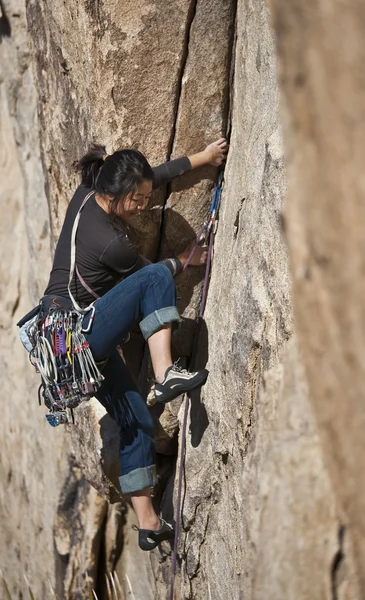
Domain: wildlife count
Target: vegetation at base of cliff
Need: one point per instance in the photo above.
(113, 587)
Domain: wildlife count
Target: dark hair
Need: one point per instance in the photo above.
(117, 175)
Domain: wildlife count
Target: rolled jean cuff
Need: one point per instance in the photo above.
(138, 479)
(154, 321)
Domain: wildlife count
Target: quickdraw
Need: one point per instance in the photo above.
(207, 230)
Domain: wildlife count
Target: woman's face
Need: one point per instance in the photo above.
(133, 204)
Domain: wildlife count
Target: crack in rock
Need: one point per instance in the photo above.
(338, 563)
(184, 58)
(5, 27)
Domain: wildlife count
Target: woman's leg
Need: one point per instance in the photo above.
(159, 345)
(142, 504)
(147, 297)
(123, 402)
(120, 396)
(150, 294)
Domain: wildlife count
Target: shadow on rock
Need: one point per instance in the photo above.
(198, 415)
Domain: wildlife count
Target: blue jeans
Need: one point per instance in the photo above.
(147, 297)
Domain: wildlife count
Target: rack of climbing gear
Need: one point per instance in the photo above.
(206, 233)
(54, 336)
(61, 355)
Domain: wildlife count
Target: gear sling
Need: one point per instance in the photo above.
(53, 335)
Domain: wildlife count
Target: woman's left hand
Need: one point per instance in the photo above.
(216, 152)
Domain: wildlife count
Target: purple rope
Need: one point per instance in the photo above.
(179, 489)
(207, 274)
(212, 216)
(197, 240)
(185, 419)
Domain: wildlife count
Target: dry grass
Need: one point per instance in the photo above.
(113, 587)
(6, 589)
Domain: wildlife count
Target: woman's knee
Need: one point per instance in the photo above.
(161, 272)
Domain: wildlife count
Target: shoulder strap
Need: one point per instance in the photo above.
(73, 256)
(84, 284)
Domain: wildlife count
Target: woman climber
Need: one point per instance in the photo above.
(129, 291)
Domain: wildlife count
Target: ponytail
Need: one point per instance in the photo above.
(116, 175)
(90, 165)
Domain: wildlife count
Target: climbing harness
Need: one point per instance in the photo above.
(206, 233)
(54, 336)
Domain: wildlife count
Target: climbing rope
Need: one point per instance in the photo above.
(207, 232)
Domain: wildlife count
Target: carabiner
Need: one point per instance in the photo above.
(90, 321)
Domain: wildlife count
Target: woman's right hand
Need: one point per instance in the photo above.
(214, 154)
(199, 257)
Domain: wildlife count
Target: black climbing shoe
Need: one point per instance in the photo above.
(148, 539)
(177, 381)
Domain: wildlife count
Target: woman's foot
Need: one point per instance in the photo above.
(148, 539)
(178, 381)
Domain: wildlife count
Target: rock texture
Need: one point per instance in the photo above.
(262, 516)
(32, 456)
(259, 515)
(202, 116)
(323, 94)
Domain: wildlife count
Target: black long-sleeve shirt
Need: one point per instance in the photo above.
(104, 255)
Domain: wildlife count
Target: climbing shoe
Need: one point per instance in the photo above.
(177, 381)
(148, 539)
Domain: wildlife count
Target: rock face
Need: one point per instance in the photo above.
(261, 516)
(32, 456)
(323, 93)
